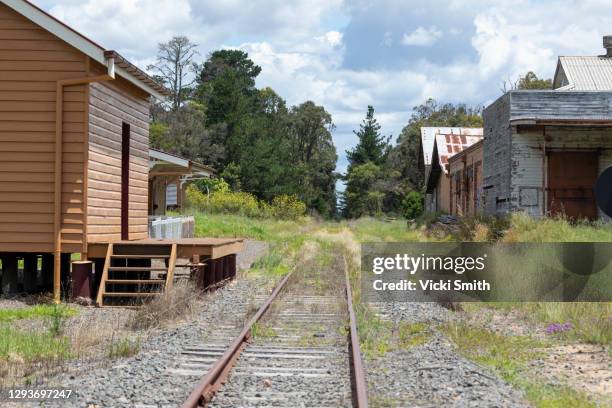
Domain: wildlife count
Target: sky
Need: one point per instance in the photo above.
(346, 55)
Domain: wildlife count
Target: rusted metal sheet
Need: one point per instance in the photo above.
(571, 179)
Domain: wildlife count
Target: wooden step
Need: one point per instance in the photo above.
(161, 256)
(131, 294)
(136, 281)
(136, 268)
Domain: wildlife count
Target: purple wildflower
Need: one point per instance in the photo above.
(554, 328)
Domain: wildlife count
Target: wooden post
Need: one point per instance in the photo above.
(209, 273)
(171, 263)
(9, 273)
(98, 267)
(30, 269)
(218, 270)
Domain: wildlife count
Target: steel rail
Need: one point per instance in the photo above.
(212, 381)
(360, 396)
(205, 390)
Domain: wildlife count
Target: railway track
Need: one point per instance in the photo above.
(300, 348)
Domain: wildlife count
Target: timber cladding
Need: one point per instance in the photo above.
(32, 60)
(111, 105)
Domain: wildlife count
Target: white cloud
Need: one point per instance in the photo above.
(387, 39)
(303, 46)
(333, 38)
(422, 37)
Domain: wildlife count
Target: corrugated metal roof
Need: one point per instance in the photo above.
(428, 135)
(450, 143)
(588, 73)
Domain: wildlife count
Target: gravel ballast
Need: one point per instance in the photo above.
(432, 374)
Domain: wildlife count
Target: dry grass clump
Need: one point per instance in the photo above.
(180, 302)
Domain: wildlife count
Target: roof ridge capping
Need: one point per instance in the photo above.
(123, 67)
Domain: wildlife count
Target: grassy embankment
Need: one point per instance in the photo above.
(508, 356)
(24, 350)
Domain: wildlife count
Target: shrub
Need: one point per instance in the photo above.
(240, 203)
(210, 185)
(413, 205)
(194, 197)
(287, 207)
(234, 203)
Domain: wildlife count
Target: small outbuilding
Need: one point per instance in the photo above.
(74, 143)
(445, 143)
(465, 169)
(169, 175)
(74, 170)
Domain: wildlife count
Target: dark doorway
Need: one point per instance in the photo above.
(125, 180)
(571, 183)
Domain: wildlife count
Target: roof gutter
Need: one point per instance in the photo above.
(58, 168)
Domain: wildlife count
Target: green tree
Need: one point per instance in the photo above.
(402, 170)
(313, 152)
(183, 132)
(372, 146)
(413, 205)
(225, 83)
(260, 146)
(364, 194)
(531, 81)
(361, 195)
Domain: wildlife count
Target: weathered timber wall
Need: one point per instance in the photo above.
(496, 152)
(110, 104)
(31, 61)
(529, 164)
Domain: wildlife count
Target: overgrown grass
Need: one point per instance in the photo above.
(176, 303)
(227, 225)
(527, 229)
(508, 356)
(412, 334)
(262, 330)
(31, 346)
(590, 322)
(375, 230)
(122, 348)
(41, 311)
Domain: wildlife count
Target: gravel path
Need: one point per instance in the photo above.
(432, 374)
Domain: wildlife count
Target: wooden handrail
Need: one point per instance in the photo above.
(102, 288)
(171, 264)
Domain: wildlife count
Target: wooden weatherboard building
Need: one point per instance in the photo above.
(544, 150)
(74, 141)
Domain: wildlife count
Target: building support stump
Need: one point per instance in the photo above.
(30, 273)
(10, 278)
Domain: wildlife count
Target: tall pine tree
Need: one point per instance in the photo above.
(372, 146)
(363, 194)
